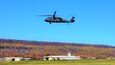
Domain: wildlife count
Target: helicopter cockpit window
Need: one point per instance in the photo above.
(59, 18)
(49, 18)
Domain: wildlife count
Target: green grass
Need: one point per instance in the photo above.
(76, 62)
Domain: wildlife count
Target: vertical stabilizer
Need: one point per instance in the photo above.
(73, 19)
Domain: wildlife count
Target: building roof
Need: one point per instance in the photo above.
(62, 56)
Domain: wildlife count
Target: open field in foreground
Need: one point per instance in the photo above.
(77, 62)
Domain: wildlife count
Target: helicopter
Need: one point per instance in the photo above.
(55, 19)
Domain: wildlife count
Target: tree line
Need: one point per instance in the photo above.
(39, 49)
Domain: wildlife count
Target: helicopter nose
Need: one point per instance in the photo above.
(45, 20)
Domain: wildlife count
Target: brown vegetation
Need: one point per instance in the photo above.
(36, 50)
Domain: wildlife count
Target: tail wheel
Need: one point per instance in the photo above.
(49, 22)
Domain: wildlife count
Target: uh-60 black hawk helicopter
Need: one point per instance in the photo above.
(55, 19)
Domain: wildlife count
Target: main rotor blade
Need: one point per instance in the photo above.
(54, 14)
(44, 15)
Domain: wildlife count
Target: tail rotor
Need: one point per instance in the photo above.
(73, 19)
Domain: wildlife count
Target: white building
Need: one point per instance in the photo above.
(13, 58)
(16, 59)
(1, 59)
(69, 57)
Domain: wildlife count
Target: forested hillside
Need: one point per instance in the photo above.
(38, 49)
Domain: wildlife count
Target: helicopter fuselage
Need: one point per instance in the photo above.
(57, 20)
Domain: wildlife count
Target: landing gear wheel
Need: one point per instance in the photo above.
(49, 22)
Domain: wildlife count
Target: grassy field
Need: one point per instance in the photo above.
(77, 62)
